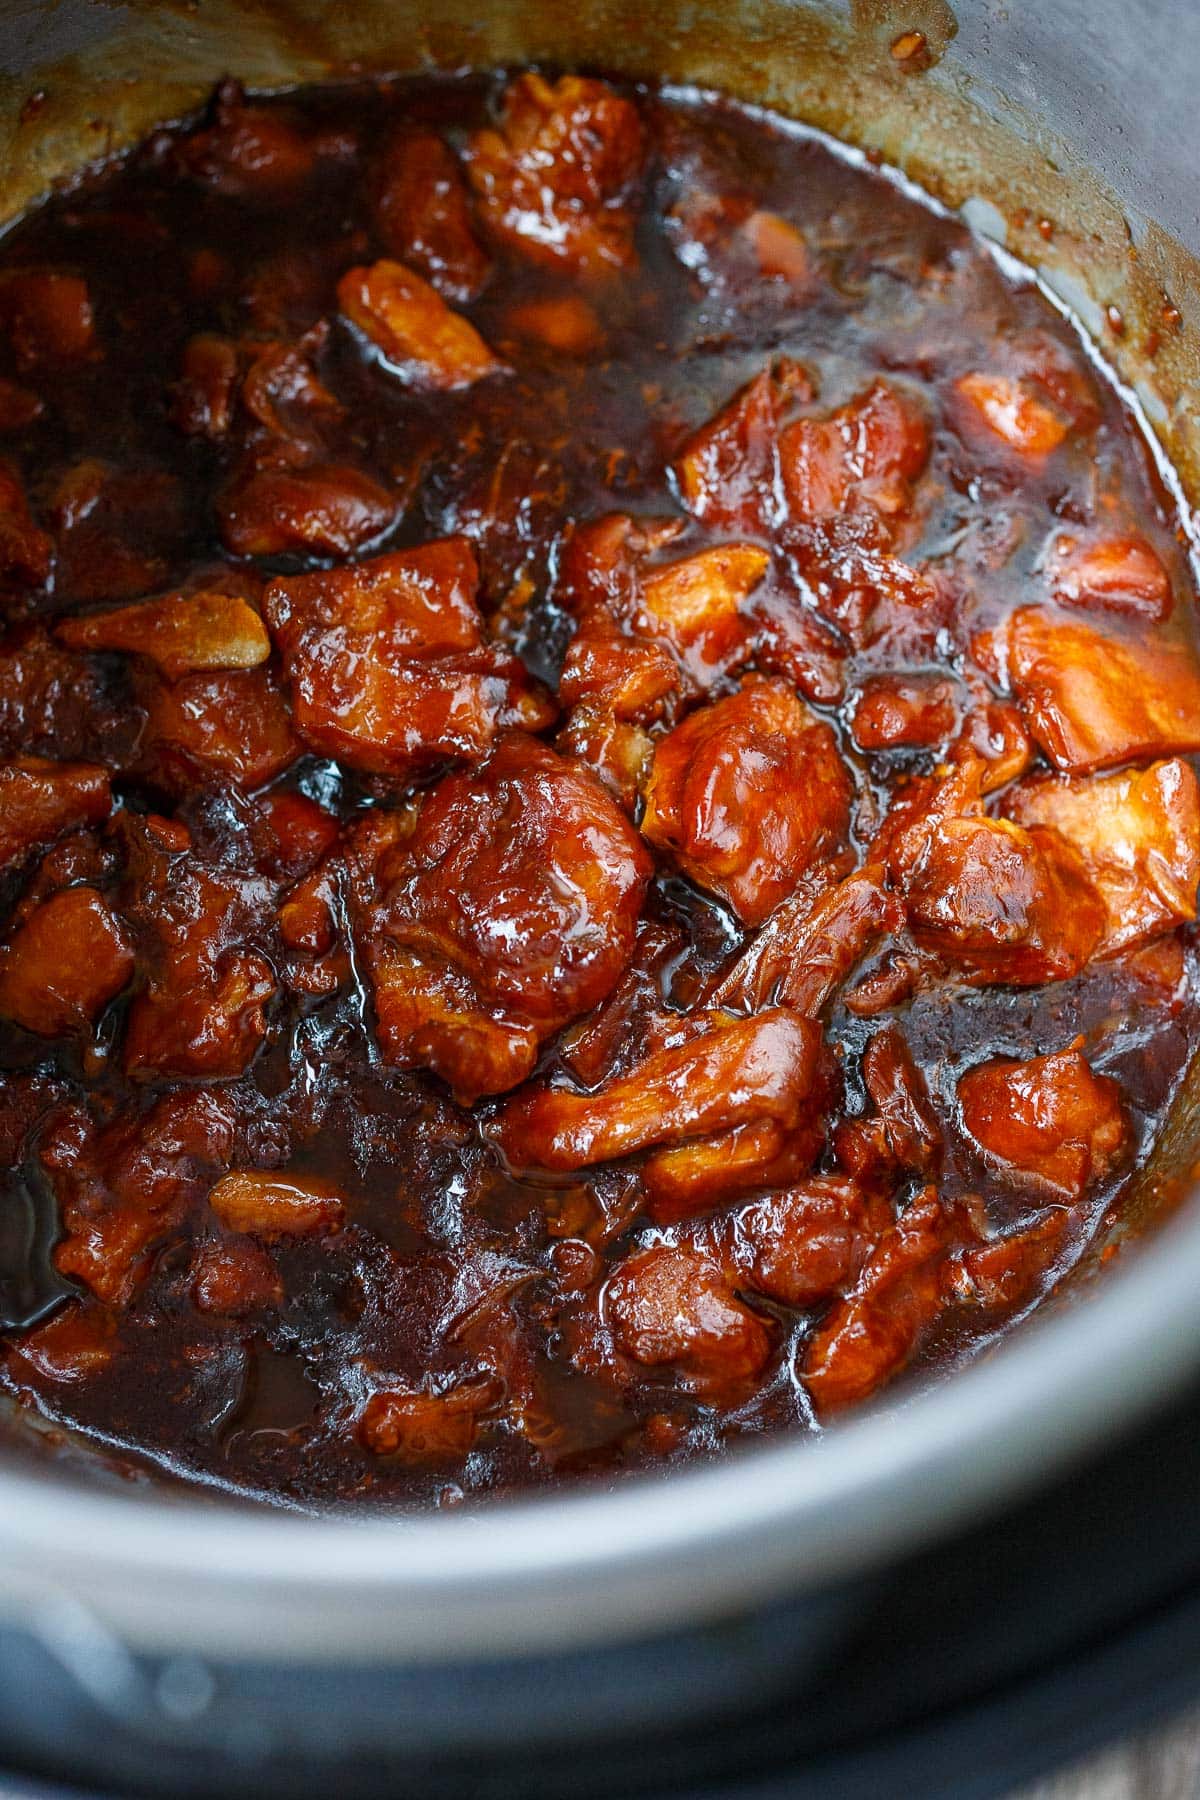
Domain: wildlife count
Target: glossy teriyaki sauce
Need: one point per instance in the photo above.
(598, 830)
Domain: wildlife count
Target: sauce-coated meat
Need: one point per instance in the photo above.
(508, 910)
(599, 836)
(1048, 1124)
(748, 794)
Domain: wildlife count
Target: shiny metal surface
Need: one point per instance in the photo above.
(1025, 100)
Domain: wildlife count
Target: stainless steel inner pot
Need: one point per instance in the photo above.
(1083, 113)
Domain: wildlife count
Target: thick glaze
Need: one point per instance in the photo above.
(627, 864)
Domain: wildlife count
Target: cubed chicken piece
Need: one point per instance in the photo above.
(698, 605)
(19, 406)
(1092, 699)
(791, 640)
(428, 1014)
(811, 944)
(326, 509)
(211, 1028)
(234, 1277)
(40, 800)
(600, 563)
(904, 712)
(565, 324)
(993, 747)
(552, 181)
(182, 633)
(416, 334)
(274, 1204)
(57, 704)
(692, 610)
(868, 1337)
(205, 395)
(1001, 1274)
(1111, 574)
(1003, 904)
(804, 1244)
(900, 1096)
(1011, 412)
(688, 1178)
(732, 1072)
(919, 805)
(127, 1185)
(26, 552)
(282, 392)
(423, 214)
(728, 471)
(618, 752)
(65, 963)
(512, 908)
(209, 730)
(425, 1428)
(387, 663)
(200, 1005)
(672, 1308)
(866, 455)
(290, 833)
(1049, 1124)
(627, 676)
(47, 315)
(77, 1344)
(1139, 836)
(775, 248)
(748, 794)
(119, 530)
(247, 152)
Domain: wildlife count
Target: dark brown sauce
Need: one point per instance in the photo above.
(450, 1269)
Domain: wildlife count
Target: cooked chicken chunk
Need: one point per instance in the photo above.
(509, 910)
(203, 987)
(1001, 903)
(324, 509)
(64, 964)
(734, 1072)
(553, 181)
(40, 800)
(129, 1183)
(749, 794)
(1012, 413)
(672, 1308)
(1138, 834)
(423, 214)
(1049, 1124)
(870, 1335)
(803, 1244)
(388, 665)
(1111, 574)
(202, 731)
(415, 332)
(900, 712)
(1092, 699)
(863, 456)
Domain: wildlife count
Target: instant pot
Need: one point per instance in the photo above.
(947, 1592)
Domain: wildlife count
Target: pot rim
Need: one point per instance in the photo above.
(660, 1550)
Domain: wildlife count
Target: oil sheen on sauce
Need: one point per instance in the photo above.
(599, 836)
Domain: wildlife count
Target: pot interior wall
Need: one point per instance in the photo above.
(81, 82)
